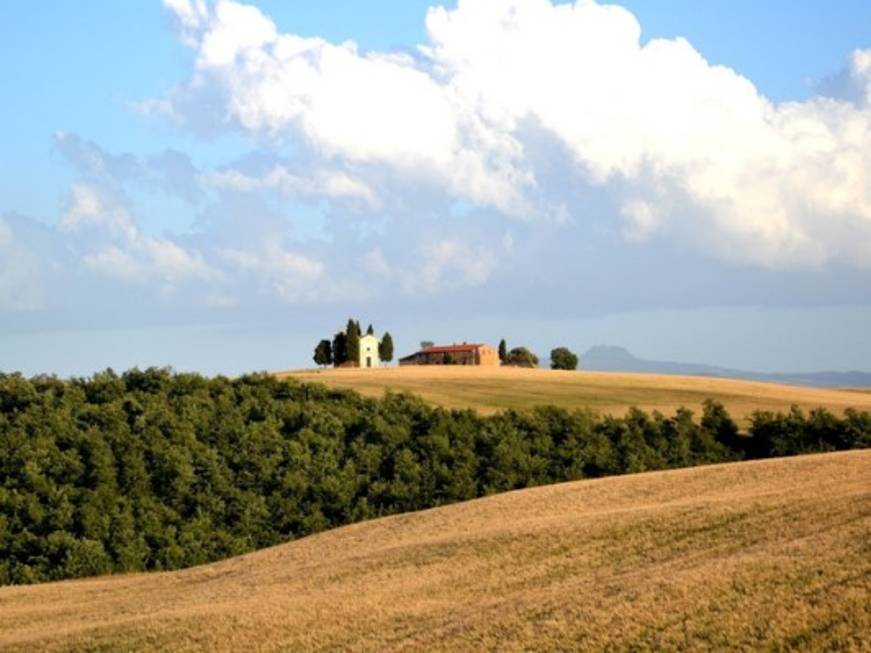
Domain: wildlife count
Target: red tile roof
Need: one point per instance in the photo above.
(450, 349)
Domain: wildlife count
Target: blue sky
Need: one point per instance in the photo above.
(710, 204)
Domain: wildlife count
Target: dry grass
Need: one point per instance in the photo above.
(493, 389)
(768, 555)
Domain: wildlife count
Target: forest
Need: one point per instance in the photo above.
(156, 470)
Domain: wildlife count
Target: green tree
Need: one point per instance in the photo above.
(717, 422)
(503, 351)
(156, 470)
(562, 358)
(352, 333)
(370, 331)
(340, 349)
(324, 353)
(521, 357)
(385, 348)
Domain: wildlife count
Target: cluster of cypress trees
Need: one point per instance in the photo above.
(156, 470)
(345, 346)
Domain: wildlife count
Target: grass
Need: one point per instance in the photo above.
(770, 555)
(492, 389)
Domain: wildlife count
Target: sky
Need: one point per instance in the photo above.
(215, 186)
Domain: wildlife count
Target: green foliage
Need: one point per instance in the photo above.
(385, 348)
(323, 353)
(503, 351)
(340, 349)
(562, 358)
(521, 357)
(778, 434)
(153, 470)
(344, 347)
(352, 342)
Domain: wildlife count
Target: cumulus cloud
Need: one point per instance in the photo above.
(718, 165)
(190, 16)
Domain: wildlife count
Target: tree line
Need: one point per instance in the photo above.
(151, 470)
(561, 358)
(344, 347)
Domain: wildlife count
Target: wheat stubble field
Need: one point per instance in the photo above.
(772, 555)
(493, 389)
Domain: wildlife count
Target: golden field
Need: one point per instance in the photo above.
(770, 555)
(492, 389)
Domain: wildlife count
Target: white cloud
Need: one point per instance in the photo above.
(375, 265)
(124, 253)
(116, 263)
(276, 260)
(190, 14)
(288, 275)
(87, 207)
(720, 166)
(151, 260)
(325, 183)
(174, 263)
(235, 30)
(642, 219)
(860, 70)
(450, 263)
(375, 108)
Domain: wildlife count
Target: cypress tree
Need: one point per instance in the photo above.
(385, 348)
(370, 331)
(340, 349)
(503, 351)
(352, 344)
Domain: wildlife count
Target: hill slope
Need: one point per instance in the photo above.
(604, 358)
(765, 554)
(493, 389)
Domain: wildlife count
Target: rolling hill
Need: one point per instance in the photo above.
(758, 555)
(493, 389)
(604, 358)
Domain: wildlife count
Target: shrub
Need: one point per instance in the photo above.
(563, 359)
(521, 357)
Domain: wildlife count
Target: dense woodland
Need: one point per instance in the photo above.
(156, 470)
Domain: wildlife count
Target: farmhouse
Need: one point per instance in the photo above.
(369, 352)
(464, 354)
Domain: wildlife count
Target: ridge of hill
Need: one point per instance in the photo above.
(610, 358)
(491, 389)
(766, 554)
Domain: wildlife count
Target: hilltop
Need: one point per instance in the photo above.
(764, 555)
(490, 389)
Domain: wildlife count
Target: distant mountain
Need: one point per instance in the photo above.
(606, 358)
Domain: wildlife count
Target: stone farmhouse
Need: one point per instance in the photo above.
(464, 354)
